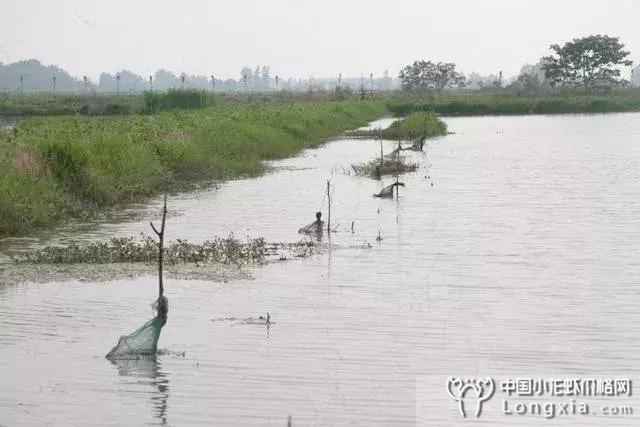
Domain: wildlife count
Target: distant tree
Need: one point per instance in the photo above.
(530, 81)
(247, 77)
(589, 62)
(265, 75)
(164, 80)
(256, 84)
(635, 76)
(386, 80)
(423, 75)
(127, 81)
(36, 77)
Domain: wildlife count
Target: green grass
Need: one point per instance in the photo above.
(58, 167)
(416, 125)
(477, 104)
(412, 127)
(99, 104)
(173, 99)
(48, 104)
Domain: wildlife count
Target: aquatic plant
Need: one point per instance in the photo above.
(375, 169)
(227, 250)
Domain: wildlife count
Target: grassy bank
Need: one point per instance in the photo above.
(475, 104)
(416, 125)
(58, 167)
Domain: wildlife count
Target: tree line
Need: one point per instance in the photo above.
(591, 63)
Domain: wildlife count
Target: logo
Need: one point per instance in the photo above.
(472, 390)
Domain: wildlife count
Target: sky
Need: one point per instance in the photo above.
(302, 38)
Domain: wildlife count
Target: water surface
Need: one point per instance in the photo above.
(512, 252)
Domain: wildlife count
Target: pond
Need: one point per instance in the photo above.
(511, 252)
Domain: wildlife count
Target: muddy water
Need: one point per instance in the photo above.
(521, 260)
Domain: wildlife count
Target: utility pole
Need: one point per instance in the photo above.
(213, 83)
(21, 87)
(118, 84)
(53, 81)
(150, 83)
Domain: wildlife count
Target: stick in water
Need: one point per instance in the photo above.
(329, 202)
(161, 246)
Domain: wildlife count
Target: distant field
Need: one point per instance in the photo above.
(503, 104)
(466, 102)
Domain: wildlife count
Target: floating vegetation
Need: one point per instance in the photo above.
(377, 169)
(129, 250)
(99, 273)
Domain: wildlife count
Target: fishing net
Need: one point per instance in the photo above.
(144, 341)
(315, 227)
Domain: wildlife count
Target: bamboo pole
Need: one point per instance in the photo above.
(329, 203)
(160, 235)
(381, 153)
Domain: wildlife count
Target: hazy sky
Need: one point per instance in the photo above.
(302, 38)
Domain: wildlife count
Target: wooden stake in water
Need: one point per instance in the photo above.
(161, 246)
(381, 153)
(398, 171)
(329, 203)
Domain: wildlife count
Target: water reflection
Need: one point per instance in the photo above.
(148, 371)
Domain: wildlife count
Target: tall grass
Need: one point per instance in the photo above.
(175, 99)
(60, 166)
(48, 104)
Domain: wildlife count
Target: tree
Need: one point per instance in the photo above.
(530, 81)
(424, 75)
(589, 62)
(265, 75)
(247, 77)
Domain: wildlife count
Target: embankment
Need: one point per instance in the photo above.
(59, 167)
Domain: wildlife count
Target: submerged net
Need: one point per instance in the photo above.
(144, 341)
